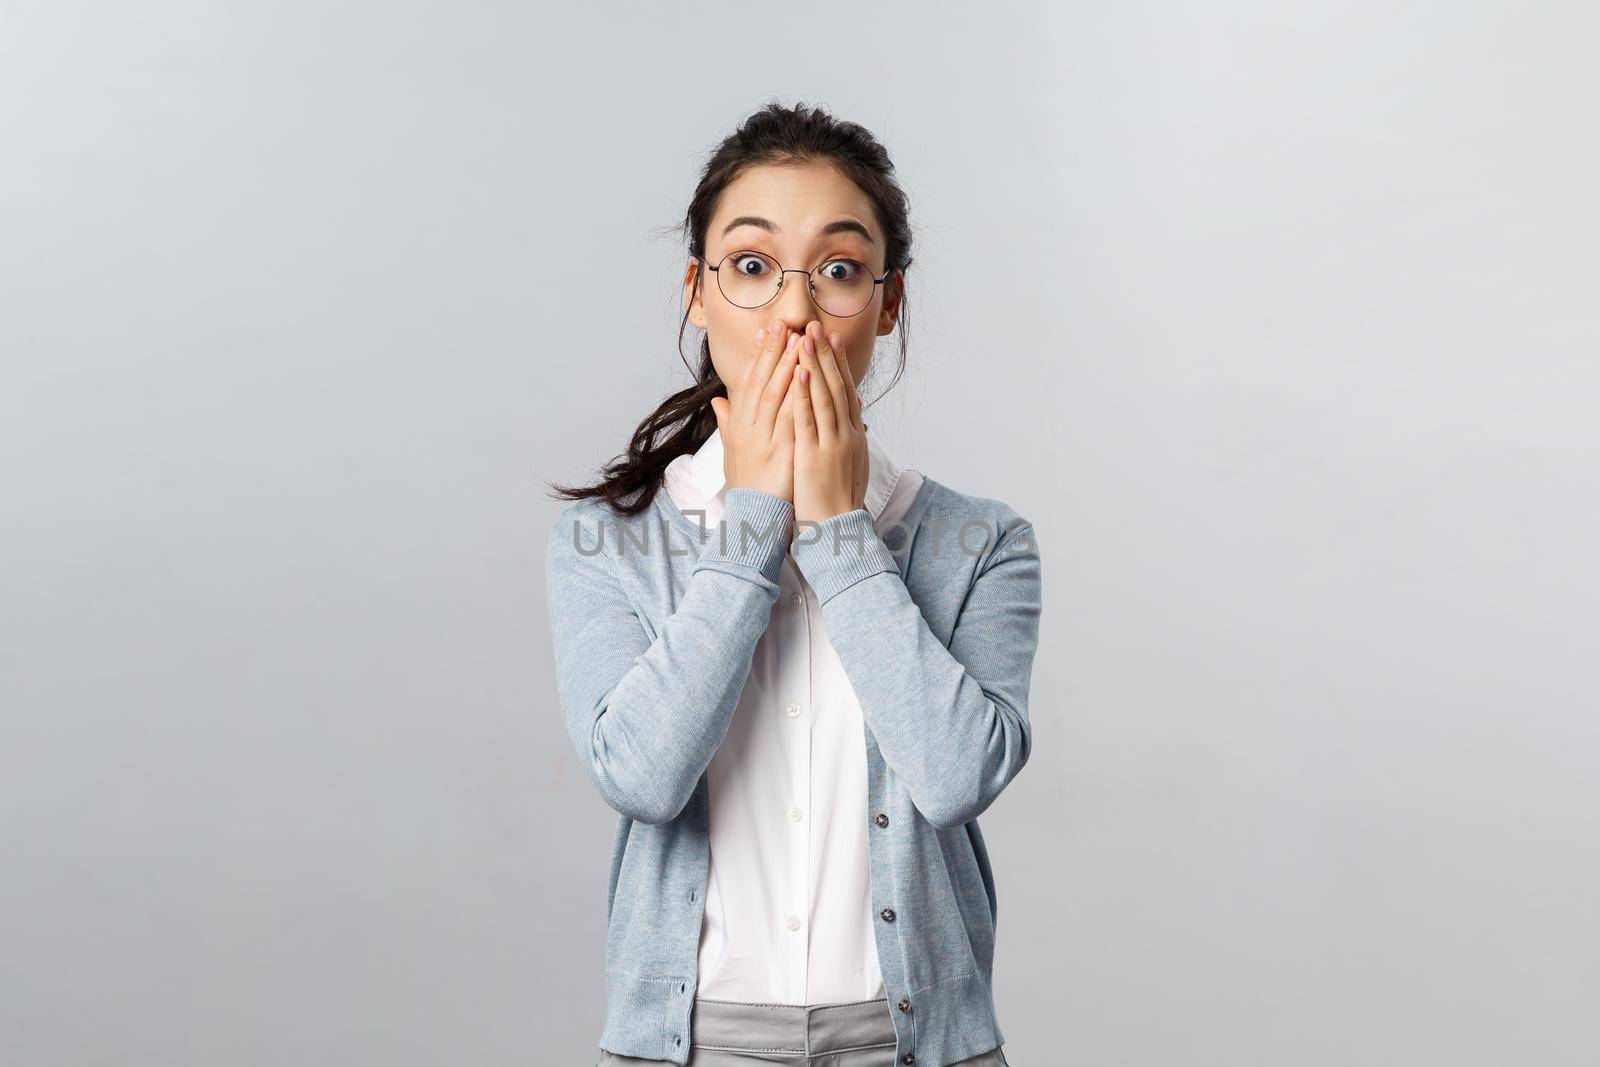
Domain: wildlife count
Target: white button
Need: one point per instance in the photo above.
(794, 814)
(794, 711)
(796, 599)
(792, 922)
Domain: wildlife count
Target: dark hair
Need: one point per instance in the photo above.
(773, 135)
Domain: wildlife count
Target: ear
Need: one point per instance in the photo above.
(894, 291)
(692, 303)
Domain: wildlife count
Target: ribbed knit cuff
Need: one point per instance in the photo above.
(840, 551)
(754, 532)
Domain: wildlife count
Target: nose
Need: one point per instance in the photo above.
(793, 305)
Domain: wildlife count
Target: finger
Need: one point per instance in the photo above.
(766, 364)
(853, 397)
(805, 416)
(830, 374)
(783, 425)
(760, 371)
(777, 385)
(863, 472)
(822, 404)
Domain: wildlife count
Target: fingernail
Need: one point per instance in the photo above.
(789, 346)
(834, 340)
(811, 346)
(761, 335)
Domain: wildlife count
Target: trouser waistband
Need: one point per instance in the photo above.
(797, 1029)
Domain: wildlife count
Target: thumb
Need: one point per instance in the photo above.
(719, 407)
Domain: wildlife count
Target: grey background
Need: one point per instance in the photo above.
(1277, 319)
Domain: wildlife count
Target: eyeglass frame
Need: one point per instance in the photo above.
(811, 286)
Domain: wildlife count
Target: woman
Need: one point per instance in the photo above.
(796, 669)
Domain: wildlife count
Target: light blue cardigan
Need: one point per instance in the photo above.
(655, 621)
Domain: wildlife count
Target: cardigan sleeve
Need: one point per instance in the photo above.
(647, 715)
(952, 721)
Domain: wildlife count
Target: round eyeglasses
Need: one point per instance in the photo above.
(840, 287)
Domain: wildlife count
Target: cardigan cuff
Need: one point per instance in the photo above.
(839, 551)
(754, 532)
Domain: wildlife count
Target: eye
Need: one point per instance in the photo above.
(841, 270)
(749, 264)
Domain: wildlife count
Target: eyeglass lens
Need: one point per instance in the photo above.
(842, 287)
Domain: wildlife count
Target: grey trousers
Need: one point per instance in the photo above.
(730, 1033)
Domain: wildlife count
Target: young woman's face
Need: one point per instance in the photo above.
(781, 212)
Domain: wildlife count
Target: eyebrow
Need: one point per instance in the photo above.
(837, 226)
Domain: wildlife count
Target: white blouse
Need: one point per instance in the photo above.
(788, 915)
